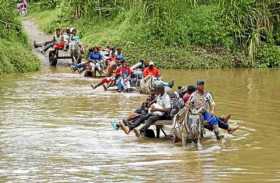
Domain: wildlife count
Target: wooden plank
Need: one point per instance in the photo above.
(164, 122)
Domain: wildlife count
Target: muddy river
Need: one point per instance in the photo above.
(55, 128)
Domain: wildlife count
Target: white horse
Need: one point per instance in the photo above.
(147, 84)
(188, 127)
(75, 52)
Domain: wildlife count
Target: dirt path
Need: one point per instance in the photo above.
(34, 34)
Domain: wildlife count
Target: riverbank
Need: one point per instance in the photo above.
(174, 34)
(15, 52)
(16, 57)
(168, 57)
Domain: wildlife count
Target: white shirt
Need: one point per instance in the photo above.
(162, 102)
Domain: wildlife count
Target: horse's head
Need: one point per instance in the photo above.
(193, 123)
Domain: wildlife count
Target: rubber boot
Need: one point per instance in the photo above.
(217, 132)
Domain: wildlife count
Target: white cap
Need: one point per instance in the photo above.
(151, 63)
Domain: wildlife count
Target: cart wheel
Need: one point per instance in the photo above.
(52, 58)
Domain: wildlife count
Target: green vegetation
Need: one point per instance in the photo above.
(174, 33)
(15, 54)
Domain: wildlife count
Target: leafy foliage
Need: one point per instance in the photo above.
(268, 56)
(229, 26)
(251, 22)
(15, 56)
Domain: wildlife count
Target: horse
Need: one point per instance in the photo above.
(147, 84)
(189, 127)
(75, 52)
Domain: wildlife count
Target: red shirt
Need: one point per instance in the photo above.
(151, 72)
(111, 58)
(186, 97)
(123, 71)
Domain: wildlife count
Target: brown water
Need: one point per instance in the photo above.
(54, 128)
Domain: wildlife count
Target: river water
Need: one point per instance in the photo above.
(55, 128)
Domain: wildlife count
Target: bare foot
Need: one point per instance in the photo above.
(227, 118)
(124, 128)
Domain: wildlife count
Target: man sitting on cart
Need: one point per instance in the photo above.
(94, 60)
(123, 74)
(57, 38)
(157, 111)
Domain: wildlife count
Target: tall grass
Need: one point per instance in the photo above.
(251, 21)
(236, 26)
(15, 54)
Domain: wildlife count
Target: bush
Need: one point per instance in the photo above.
(15, 57)
(204, 27)
(268, 56)
(49, 4)
(178, 36)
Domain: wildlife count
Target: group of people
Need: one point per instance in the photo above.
(111, 63)
(161, 105)
(62, 40)
(124, 77)
(103, 61)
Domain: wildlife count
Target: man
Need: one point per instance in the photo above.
(94, 59)
(201, 99)
(151, 70)
(137, 72)
(212, 119)
(203, 102)
(136, 118)
(157, 111)
(154, 72)
(123, 74)
(119, 55)
(48, 44)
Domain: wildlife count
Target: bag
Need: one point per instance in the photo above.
(149, 133)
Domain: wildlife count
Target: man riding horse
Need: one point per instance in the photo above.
(152, 78)
(202, 102)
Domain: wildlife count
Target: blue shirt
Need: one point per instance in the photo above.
(210, 118)
(95, 56)
(120, 57)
